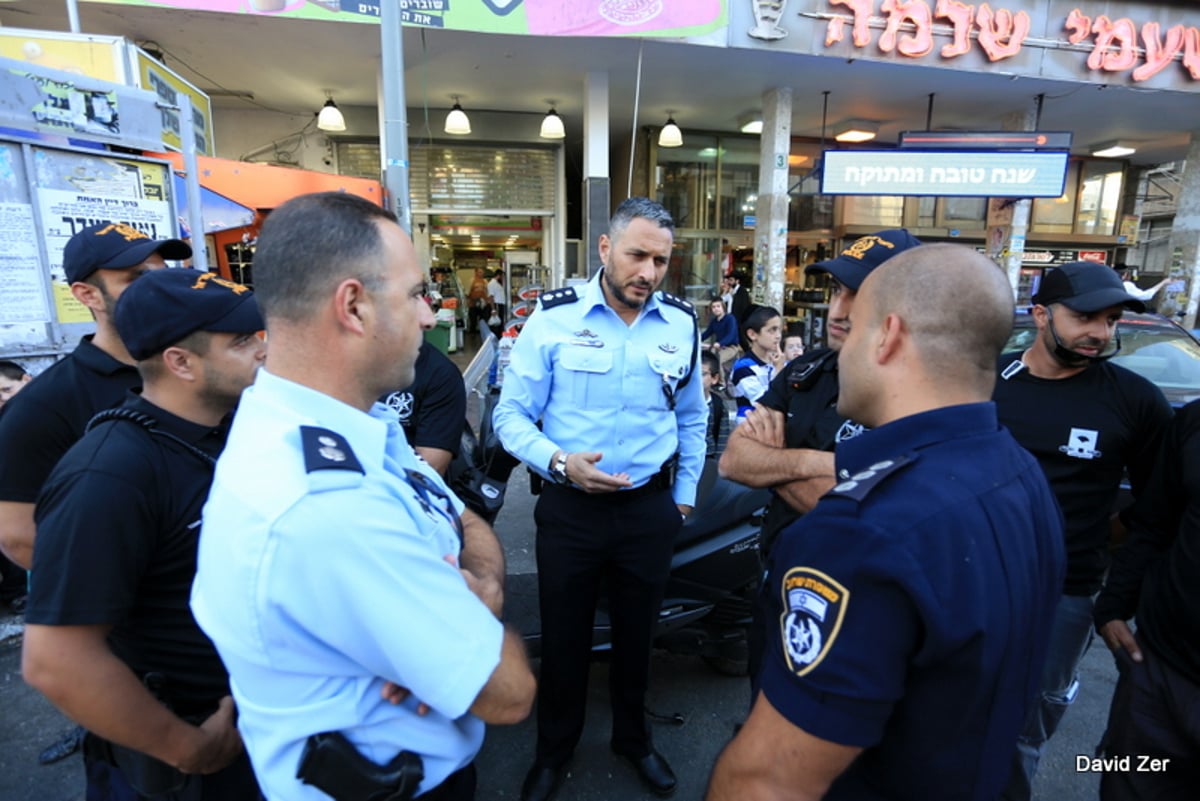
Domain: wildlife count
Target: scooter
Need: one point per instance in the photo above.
(715, 568)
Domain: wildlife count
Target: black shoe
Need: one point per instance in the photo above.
(655, 772)
(541, 782)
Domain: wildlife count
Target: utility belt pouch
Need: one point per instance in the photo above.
(334, 766)
(152, 777)
(669, 471)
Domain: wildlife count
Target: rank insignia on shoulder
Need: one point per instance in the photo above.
(327, 450)
(677, 302)
(860, 484)
(814, 606)
(557, 297)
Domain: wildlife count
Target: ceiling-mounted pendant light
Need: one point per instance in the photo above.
(670, 135)
(457, 122)
(552, 124)
(330, 118)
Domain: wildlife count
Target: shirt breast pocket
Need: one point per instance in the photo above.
(667, 371)
(584, 373)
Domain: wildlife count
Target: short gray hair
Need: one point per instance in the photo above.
(636, 207)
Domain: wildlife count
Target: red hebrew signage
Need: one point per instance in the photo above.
(917, 28)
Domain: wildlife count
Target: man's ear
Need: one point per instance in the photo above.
(181, 362)
(351, 305)
(892, 335)
(88, 295)
(604, 245)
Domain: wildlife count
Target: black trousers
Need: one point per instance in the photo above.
(1154, 729)
(625, 541)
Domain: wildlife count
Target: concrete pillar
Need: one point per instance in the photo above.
(1015, 232)
(597, 204)
(1185, 243)
(771, 212)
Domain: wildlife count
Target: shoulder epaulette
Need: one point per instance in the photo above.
(677, 302)
(859, 485)
(326, 450)
(557, 297)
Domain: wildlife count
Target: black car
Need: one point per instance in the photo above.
(1151, 346)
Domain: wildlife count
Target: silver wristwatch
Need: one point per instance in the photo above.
(558, 468)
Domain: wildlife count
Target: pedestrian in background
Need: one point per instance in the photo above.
(318, 488)
(610, 371)
(752, 373)
(1089, 423)
(13, 379)
(903, 652)
(723, 331)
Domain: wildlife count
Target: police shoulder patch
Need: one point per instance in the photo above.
(859, 485)
(557, 297)
(677, 302)
(814, 605)
(327, 450)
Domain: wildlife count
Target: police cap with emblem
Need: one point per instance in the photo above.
(1085, 286)
(163, 306)
(115, 246)
(860, 257)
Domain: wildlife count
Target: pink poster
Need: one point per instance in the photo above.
(616, 17)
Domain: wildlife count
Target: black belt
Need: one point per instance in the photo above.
(659, 482)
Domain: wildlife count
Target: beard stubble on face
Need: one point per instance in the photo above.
(619, 295)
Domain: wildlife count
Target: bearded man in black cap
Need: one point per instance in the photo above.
(1087, 422)
(39, 425)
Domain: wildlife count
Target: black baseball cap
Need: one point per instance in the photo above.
(163, 306)
(115, 246)
(855, 263)
(1085, 286)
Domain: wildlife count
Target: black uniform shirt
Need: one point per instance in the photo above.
(1084, 431)
(1157, 571)
(47, 417)
(433, 409)
(117, 526)
(806, 392)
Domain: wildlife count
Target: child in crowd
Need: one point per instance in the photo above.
(714, 433)
(793, 345)
(753, 372)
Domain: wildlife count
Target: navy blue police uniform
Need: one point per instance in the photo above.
(145, 474)
(912, 606)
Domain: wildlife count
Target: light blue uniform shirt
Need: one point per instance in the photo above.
(317, 585)
(597, 385)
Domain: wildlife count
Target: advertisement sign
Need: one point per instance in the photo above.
(153, 76)
(76, 190)
(944, 173)
(536, 17)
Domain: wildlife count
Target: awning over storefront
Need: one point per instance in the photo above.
(262, 187)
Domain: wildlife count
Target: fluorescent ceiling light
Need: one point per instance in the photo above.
(751, 122)
(1114, 150)
(855, 131)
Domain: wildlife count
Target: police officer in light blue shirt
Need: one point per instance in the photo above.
(353, 600)
(610, 371)
(912, 605)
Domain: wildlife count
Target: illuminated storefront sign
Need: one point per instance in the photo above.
(943, 173)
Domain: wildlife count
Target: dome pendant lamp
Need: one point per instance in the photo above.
(670, 135)
(552, 124)
(457, 122)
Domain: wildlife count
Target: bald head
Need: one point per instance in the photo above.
(956, 304)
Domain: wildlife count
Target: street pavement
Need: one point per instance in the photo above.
(708, 707)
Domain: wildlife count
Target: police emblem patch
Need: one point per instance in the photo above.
(813, 608)
(402, 404)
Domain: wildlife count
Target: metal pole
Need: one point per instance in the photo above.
(73, 15)
(395, 123)
(195, 201)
